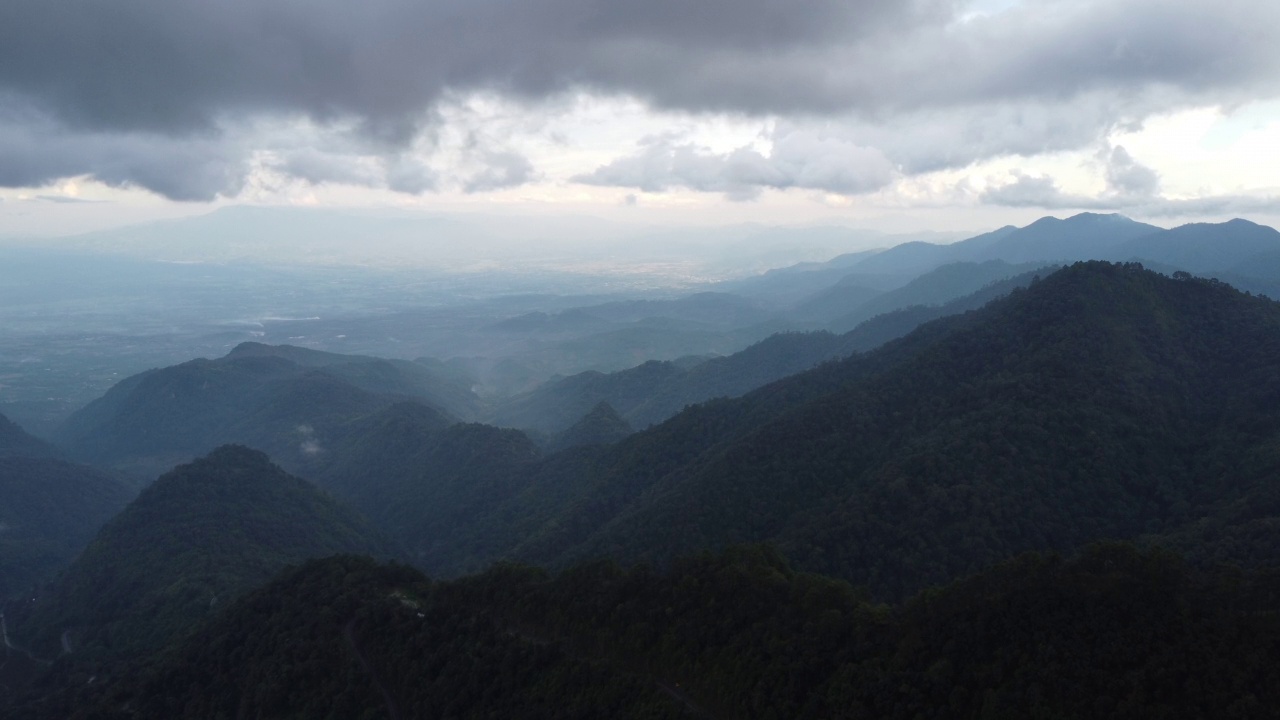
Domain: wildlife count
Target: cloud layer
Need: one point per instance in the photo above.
(171, 95)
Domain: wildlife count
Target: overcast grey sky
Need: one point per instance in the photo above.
(897, 113)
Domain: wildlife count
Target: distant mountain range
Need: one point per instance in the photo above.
(1236, 246)
(654, 391)
(1088, 405)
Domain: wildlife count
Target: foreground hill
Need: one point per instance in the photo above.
(1115, 633)
(1103, 401)
(196, 538)
(282, 399)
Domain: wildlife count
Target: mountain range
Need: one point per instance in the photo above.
(1006, 488)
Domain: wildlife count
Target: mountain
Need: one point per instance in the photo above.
(286, 400)
(1115, 632)
(832, 302)
(1087, 236)
(16, 442)
(1237, 248)
(654, 391)
(1208, 247)
(50, 508)
(425, 379)
(936, 287)
(49, 511)
(601, 426)
(786, 354)
(788, 285)
(559, 403)
(876, 331)
(197, 537)
(421, 478)
(710, 308)
(1103, 401)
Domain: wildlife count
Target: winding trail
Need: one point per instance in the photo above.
(349, 632)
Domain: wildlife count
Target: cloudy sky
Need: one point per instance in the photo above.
(893, 114)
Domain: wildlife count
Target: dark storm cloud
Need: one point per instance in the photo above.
(190, 168)
(173, 65)
(98, 69)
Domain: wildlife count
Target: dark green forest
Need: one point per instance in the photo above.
(51, 511)
(196, 538)
(1116, 632)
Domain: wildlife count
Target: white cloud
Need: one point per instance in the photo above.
(796, 159)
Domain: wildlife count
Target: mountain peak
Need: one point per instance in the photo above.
(1084, 218)
(602, 426)
(200, 534)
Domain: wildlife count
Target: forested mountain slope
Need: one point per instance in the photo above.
(281, 399)
(938, 287)
(425, 481)
(1103, 401)
(601, 426)
(1113, 633)
(49, 510)
(199, 536)
(16, 442)
(654, 391)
